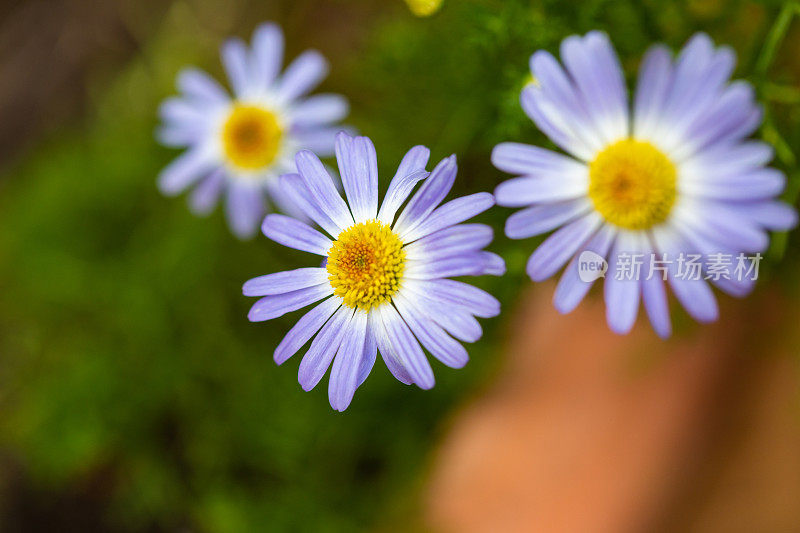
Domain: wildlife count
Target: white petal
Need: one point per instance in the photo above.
(186, 169)
(302, 75)
(267, 55)
(359, 169)
(234, 59)
(410, 171)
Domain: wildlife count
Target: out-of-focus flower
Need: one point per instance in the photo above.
(383, 282)
(424, 8)
(238, 146)
(674, 177)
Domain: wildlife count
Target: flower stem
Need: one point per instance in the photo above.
(775, 37)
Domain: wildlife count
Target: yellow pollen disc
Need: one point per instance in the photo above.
(632, 184)
(365, 265)
(251, 137)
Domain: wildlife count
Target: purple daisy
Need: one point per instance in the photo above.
(674, 177)
(383, 284)
(239, 146)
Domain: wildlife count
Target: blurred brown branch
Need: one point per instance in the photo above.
(50, 49)
(602, 433)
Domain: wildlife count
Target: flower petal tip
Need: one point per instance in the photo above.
(618, 327)
(252, 315)
(664, 333)
(344, 136)
(426, 385)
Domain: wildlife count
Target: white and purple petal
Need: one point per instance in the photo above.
(387, 351)
(370, 354)
(304, 329)
(266, 57)
(406, 347)
(358, 165)
(205, 196)
(571, 289)
(524, 191)
(302, 75)
(409, 173)
(320, 109)
(449, 214)
(323, 348)
(235, 61)
(654, 298)
(322, 189)
(559, 247)
(273, 306)
(622, 293)
(542, 218)
(463, 296)
(286, 281)
(344, 378)
(442, 346)
(296, 191)
(450, 241)
(295, 234)
(428, 197)
(244, 207)
(199, 86)
(186, 169)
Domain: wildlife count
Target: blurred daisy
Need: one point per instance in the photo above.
(676, 175)
(238, 146)
(383, 282)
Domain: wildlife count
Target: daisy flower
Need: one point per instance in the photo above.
(237, 146)
(674, 175)
(383, 281)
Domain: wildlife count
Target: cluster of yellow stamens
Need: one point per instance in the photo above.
(365, 264)
(251, 137)
(632, 184)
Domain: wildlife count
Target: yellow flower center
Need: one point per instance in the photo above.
(632, 184)
(365, 265)
(251, 137)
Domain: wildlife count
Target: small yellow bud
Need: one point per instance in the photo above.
(531, 80)
(424, 8)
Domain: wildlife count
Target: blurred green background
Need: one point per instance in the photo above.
(134, 394)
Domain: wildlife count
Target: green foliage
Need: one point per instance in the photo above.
(125, 347)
